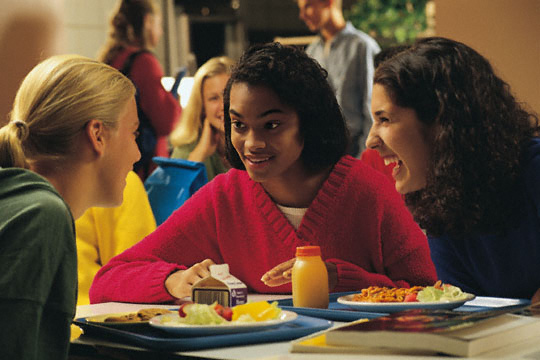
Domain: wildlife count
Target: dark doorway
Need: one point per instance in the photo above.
(207, 40)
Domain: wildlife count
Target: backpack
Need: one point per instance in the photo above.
(172, 183)
(147, 139)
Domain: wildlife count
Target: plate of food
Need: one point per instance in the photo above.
(141, 317)
(389, 300)
(201, 319)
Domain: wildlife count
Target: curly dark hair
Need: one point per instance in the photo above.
(480, 136)
(299, 82)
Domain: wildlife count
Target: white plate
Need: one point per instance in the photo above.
(233, 327)
(400, 306)
(100, 319)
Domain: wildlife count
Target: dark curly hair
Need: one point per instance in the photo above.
(299, 82)
(480, 135)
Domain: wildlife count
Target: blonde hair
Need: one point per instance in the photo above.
(190, 126)
(126, 27)
(54, 103)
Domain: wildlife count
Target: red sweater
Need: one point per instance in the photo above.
(357, 218)
(156, 102)
(373, 159)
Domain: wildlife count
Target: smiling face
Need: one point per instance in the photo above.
(400, 138)
(212, 96)
(120, 155)
(265, 134)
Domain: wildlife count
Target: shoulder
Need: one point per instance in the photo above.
(223, 192)
(134, 188)
(21, 182)
(183, 151)
(31, 198)
(533, 153)
(373, 159)
(531, 159)
(146, 59)
(232, 181)
(144, 64)
(532, 168)
(311, 48)
(215, 165)
(234, 186)
(359, 39)
(363, 180)
(358, 170)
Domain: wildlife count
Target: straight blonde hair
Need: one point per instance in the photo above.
(53, 105)
(191, 121)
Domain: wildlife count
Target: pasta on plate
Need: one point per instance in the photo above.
(385, 294)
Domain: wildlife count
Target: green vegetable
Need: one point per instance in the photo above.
(452, 293)
(445, 293)
(201, 314)
(429, 294)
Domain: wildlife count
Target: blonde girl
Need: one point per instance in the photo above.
(68, 146)
(200, 134)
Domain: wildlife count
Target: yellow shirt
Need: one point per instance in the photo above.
(105, 232)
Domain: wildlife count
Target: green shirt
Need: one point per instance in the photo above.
(213, 164)
(38, 268)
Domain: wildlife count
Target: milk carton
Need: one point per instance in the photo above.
(220, 286)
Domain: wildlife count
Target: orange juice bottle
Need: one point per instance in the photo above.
(309, 278)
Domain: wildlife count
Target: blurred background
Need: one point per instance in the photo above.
(506, 32)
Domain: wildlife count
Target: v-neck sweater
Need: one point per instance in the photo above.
(357, 218)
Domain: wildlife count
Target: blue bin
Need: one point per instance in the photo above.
(172, 183)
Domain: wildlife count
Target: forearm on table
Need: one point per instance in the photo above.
(139, 282)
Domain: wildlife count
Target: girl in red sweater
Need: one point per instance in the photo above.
(291, 185)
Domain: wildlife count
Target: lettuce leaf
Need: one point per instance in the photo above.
(448, 293)
(202, 314)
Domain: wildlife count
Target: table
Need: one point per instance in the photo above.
(92, 348)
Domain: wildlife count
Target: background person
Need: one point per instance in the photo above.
(55, 145)
(105, 232)
(30, 32)
(347, 54)
(467, 158)
(135, 26)
(286, 139)
(200, 135)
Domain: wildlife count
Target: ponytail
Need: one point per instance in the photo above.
(53, 105)
(12, 136)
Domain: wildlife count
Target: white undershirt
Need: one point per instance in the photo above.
(294, 215)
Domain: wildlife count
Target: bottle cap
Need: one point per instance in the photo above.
(308, 251)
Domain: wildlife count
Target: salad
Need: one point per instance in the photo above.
(440, 292)
(216, 314)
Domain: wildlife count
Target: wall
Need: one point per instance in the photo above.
(86, 25)
(505, 32)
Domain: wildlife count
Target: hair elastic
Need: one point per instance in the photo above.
(22, 128)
